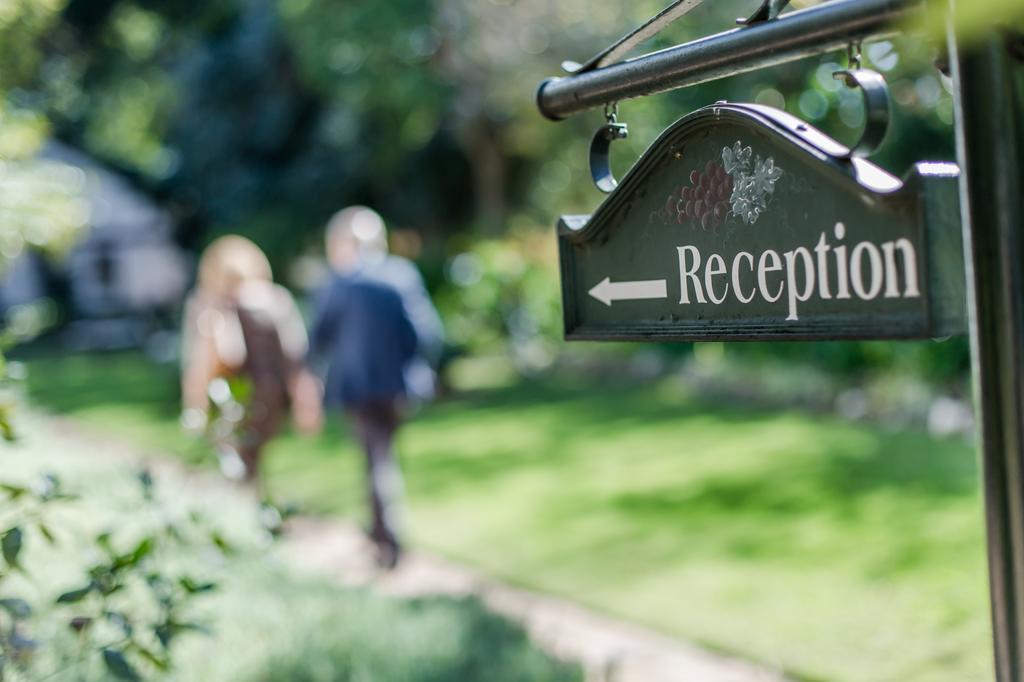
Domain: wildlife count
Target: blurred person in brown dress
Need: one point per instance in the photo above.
(244, 343)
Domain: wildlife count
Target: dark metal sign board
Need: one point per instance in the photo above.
(743, 222)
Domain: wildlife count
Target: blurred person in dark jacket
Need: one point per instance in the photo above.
(380, 336)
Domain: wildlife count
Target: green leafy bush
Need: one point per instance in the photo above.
(125, 599)
(120, 577)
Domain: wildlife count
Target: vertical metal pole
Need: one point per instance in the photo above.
(990, 132)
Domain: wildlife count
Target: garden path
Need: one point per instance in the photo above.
(609, 650)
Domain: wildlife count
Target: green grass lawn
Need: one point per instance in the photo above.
(833, 551)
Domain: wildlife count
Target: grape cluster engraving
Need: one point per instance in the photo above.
(704, 202)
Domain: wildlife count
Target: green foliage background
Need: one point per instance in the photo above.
(262, 117)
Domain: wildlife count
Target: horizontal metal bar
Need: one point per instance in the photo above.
(815, 30)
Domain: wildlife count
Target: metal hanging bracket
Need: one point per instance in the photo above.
(877, 106)
(600, 163)
(817, 29)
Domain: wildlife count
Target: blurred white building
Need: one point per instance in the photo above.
(124, 268)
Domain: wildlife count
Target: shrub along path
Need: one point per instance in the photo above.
(263, 619)
(830, 550)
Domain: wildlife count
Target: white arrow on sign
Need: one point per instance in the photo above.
(607, 291)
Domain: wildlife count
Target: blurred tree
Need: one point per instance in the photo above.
(247, 114)
(40, 202)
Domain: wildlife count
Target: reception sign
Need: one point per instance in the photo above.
(743, 222)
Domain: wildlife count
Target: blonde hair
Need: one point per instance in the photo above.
(228, 262)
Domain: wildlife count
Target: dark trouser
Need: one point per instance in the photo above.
(375, 425)
(267, 408)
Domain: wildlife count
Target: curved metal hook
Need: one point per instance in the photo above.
(877, 108)
(600, 166)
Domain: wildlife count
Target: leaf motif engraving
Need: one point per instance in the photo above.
(753, 181)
